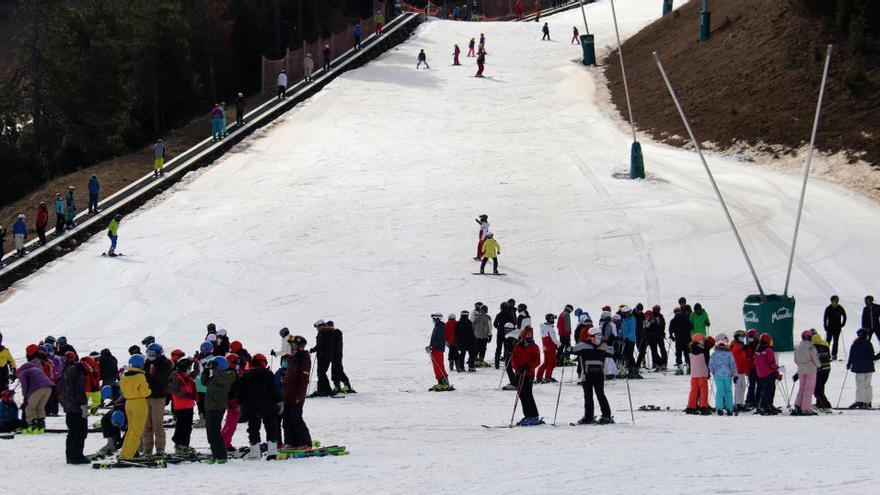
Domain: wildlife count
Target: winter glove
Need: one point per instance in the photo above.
(272, 353)
(778, 377)
(312, 350)
(280, 408)
(735, 379)
(523, 369)
(428, 349)
(794, 377)
(84, 410)
(490, 339)
(13, 376)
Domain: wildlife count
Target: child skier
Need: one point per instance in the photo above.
(9, 421)
(135, 389)
(435, 350)
(723, 368)
(591, 354)
(36, 388)
(423, 59)
(525, 359)
(456, 51)
(768, 373)
(807, 359)
(260, 403)
(296, 381)
(550, 343)
(824, 351)
(183, 398)
(158, 158)
(861, 363)
(698, 400)
(472, 44)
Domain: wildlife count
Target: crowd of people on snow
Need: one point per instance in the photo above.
(222, 381)
(744, 370)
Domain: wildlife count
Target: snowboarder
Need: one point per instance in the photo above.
(861, 363)
(260, 403)
(546, 31)
(296, 381)
(357, 37)
(158, 375)
(871, 317)
(240, 104)
(19, 234)
(472, 44)
(60, 215)
(524, 360)
(722, 366)
(282, 84)
(807, 359)
(435, 349)
(698, 399)
(466, 342)
(218, 379)
(550, 343)
(135, 389)
(483, 222)
(159, 158)
(575, 36)
(379, 20)
(76, 408)
(324, 349)
(94, 191)
(327, 57)
(7, 366)
(592, 353)
(42, 223)
(700, 320)
(183, 400)
(491, 250)
(455, 53)
(113, 234)
(308, 67)
(337, 371)
(768, 373)
(423, 59)
(449, 332)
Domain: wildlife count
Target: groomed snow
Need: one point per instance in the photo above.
(358, 207)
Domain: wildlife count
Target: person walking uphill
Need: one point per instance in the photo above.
(135, 389)
(834, 320)
(71, 207)
(218, 379)
(491, 250)
(94, 191)
(525, 359)
(423, 59)
(282, 84)
(807, 359)
(296, 381)
(357, 36)
(158, 374)
(327, 57)
(60, 215)
(217, 123)
(546, 31)
(861, 363)
(308, 67)
(435, 350)
(240, 104)
(159, 158)
(76, 408)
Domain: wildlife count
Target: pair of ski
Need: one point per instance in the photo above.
(330, 450)
(516, 425)
(147, 462)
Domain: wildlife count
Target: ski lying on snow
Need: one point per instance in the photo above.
(112, 255)
(492, 274)
(515, 425)
(330, 450)
(132, 463)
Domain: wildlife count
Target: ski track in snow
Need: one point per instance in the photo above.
(357, 206)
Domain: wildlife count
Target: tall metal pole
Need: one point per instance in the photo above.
(623, 72)
(586, 27)
(709, 172)
(797, 223)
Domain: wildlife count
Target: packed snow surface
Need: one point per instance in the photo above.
(358, 206)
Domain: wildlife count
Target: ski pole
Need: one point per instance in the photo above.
(309, 385)
(559, 394)
(841, 388)
(632, 415)
(504, 371)
(516, 400)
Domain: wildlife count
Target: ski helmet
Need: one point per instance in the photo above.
(299, 341)
(176, 354)
(259, 360)
(550, 317)
(284, 332)
(436, 316)
(206, 347)
(232, 359)
(739, 335)
(220, 363)
(807, 335)
(697, 337)
(509, 326)
(766, 339)
(135, 349)
(319, 324)
(183, 364)
(71, 357)
(721, 338)
(212, 337)
(49, 349)
(584, 318)
(615, 317)
(235, 346)
(568, 308)
(106, 393)
(62, 341)
(154, 351)
(117, 419)
(578, 312)
(222, 332)
(451, 316)
(137, 361)
(149, 339)
(49, 340)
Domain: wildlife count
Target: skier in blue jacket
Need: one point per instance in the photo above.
(59, 214)
(628, 335)
(94, 189)
(19, 233)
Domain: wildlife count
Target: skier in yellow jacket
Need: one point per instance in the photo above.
(491, 249)
(133, 385)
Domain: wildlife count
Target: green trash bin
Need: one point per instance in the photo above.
(636, 162)
(589, 47)
(773, 314)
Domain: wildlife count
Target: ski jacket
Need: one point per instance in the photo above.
(19, 227)
(159, 150)
(835, 318)
(221, 347)
(183, 391)
(8, 414)
(133, 385)
(31, 376)
(113, 228)
(628, 328)
(699, 365)
(325, 343)
(592, 357)
(449, 330)
(42, 217)
(699, 322)
(422, 56)
(308, 63)
(502, 318)
(765, 362)
(609, 330)
(546, 29)
(219, 385)
(93, 374)
(158, 376)
(438, 337)
(744, 357)
(657, 327)
(357, 31)
(109, 367)
(523, 320)
(282, 80)
(722, 363)
(525, 358)
(582, 332)
(549, 340)
(483, 326)
(296, 380)
(6, 358)
(464, 333)
(871, 317)
(824, 351)
(481, 59)
(94, 185)
(73, 388)
(861, 357)
(337, 343)
(380, 18)
(71, 204)
(484, 226)
(491, 248)
(217, 113)
(807, 358)
(257, 393)
(563, 323)
(59, 206)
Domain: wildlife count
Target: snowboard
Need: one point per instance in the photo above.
(114, 255)
(492, 274)
(130, 463)
(330, 450)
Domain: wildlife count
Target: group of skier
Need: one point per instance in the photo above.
(220, 380)
(479, 52)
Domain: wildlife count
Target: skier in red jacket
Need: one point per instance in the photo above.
(525, 358)
(450, 342)
(42, 222)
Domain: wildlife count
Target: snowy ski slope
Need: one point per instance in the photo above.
(358, 206)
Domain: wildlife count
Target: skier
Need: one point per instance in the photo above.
(282, 84)
(308, 67)
(768, 373)
(324, 350)
(455, 53)
(751, 350)
(698, 399)
(218, 379)
(592, 353)
(296, 381)
(230, 421)
(466, 342)
(183, 400)
(491, 250)
(481, 64)
(743, 357)
(217, 123)
(19, 234)
(423, 59)
(327, 57)
(135, 389)
(379, 20)
(824, 352)
(575, 36)
(221, 346)
(807, 359)
(524, 359)
(7, 366)
(550, 343)
(563, 326)
(483, 333)
(59, 214)
(113, 234)
(472, 44)
(337, 372)
(482, 46)
(240, 103)
(200, 362)
(655, 333)
(722, 366)
(71, 208)
(449, 332)
(94, 191)
(35, 377)
(260, 403)
(699, 320)
(42, 223)
(435, 350)
(861, 363)
(357, 37)
(483, 222)
(871, 317)
(546, 31)
(158, 375)
(628, 335)
(9, 421)
(159, 158)
(93, 380)
(76, 408)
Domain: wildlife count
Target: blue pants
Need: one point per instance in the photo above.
(723, 393)
(217, 128)
(113, 239)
